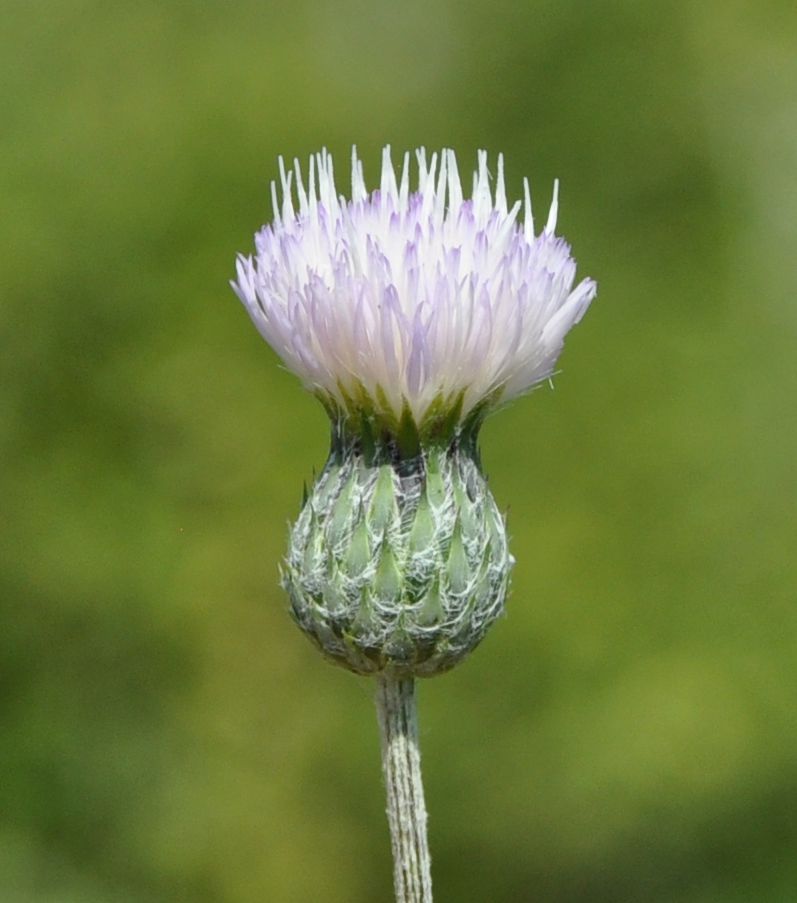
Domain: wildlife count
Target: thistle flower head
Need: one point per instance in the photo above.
(410, 314)
(411, 301)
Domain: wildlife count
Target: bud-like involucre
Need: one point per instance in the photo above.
(397, 564)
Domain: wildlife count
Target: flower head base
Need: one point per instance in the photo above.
(398, 569)
(416, 305)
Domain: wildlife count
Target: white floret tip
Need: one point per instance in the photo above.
(417, 300)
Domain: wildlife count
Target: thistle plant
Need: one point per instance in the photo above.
(411, 314)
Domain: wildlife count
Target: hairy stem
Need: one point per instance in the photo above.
(406, 809)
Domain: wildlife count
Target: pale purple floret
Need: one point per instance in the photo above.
(411, 296)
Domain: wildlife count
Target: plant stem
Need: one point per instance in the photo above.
(406, 809)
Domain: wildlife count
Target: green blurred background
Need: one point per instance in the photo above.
(629, 731)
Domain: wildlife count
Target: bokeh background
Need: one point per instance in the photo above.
(628, 731)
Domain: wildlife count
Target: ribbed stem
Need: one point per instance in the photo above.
(406, 809)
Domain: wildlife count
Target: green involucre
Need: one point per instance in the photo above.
(398, 564)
